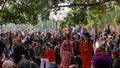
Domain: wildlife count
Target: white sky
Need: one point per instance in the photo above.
(0, 8)
(60, 14)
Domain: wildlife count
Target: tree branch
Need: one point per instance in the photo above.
(82, 4)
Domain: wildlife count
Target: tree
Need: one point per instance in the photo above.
(28, 11)
(92, 13)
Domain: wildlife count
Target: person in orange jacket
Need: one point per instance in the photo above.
(86, 51)
(49, 54)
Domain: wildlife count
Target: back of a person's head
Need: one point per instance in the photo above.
(73, 66)
(27, 64)
(53, 65)
(116, 63)
(101, 60)
(8, 64)
(17, 54)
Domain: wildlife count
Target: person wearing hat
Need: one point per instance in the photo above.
(86, 50)
(66, 51)
(101, 60)
(2, 47)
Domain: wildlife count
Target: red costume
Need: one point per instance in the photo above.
(86, 50)
(66, 51)
(49, 54)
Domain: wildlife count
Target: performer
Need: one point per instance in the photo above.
(86, 51)
(66, 51)
(48, 57)
(49, 54)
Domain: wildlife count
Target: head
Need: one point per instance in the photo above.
(67, 33)
(48, 46)
(73, 66)
(101, 60)
(27, 64)
(86, 36)
(18, 52)
(8, 64)
(53, 65)
(115, 54)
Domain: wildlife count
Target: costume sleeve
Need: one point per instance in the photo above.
(91, 47)
(52, 56)
(81, 47)
(72, 50)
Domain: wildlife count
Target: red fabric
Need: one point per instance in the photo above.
(86, 50)
(66, 52)
(49, 54)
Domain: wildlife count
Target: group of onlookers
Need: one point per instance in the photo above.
(69, 49)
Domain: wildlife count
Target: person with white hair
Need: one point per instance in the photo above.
(8, 64)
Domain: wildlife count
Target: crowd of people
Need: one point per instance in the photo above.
(68, 48)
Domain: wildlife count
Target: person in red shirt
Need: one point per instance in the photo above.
(49, 53)
(86, 51)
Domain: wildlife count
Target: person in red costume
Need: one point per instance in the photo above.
(66, 51)
(86, 51)
(49, 54)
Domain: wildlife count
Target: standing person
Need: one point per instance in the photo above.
(116, 62)
(86, 51)
(48, 57)
(66, 51)
(49, 53)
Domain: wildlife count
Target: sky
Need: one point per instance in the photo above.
(61, 14)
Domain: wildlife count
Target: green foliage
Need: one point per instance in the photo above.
(24, 11)
(27, 11)
(93, 15)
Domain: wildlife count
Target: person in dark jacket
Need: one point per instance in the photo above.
(17, 54)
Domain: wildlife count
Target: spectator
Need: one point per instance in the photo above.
(101, 60)
(73, 66)
(49, 53)
(18, 52)
(116, 62)
(27, 64)
(8, 64)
